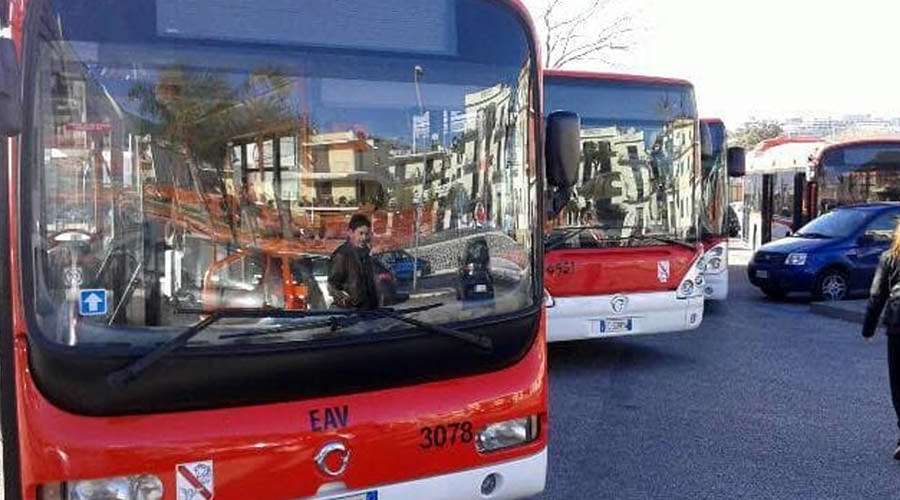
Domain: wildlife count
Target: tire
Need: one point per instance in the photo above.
(774, 293)
(832, 285)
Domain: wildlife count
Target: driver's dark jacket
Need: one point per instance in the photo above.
(353, 272)
(884, 295)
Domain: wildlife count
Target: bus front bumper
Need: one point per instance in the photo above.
(521, 478)
(574, 318)
(716, 287)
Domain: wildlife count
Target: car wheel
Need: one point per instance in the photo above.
(774, 293)
(832, 285)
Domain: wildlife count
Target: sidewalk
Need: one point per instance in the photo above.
(848, 310)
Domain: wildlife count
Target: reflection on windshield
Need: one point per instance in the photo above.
(188, 182)
(715, 180)
(865, 173)
(637, 175)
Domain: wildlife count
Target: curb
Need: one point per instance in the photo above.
(837, 312)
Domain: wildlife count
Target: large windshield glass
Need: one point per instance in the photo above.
(835, 224)
(859, 173)
(639, 164)
(198, 155)
(715, 180)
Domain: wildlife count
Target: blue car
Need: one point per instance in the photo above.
(831, 257)
(400, 262)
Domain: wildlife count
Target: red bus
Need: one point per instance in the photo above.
(173, 352)
(624, 257)
(863, 170)
(718, 221)
(776, 196)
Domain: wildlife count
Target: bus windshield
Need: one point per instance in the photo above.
(859, 173)
(208, 155)
(639, 162)
(715, 180)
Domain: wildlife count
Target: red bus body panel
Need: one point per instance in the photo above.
(583, 272)
(267, 451)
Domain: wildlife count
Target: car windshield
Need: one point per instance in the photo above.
(212, 154)
(639, 161)
(835, 224)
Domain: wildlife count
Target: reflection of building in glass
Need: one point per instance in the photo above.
(629, 187)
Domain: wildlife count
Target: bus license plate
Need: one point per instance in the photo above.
(615, 325)
(480, 288)
(368, 495)
(762, 273)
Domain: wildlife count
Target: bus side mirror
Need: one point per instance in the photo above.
(706, 145)
(10, 105)
(736, 161)
(562, 150)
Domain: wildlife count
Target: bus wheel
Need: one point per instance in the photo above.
(774, 293)
(832, 285)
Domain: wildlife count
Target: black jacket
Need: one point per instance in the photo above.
(884, 295)
(353, 272)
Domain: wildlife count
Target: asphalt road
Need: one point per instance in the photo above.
(764, 400)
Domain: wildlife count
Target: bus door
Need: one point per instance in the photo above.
(799, 181)
(768, 204)
(812, 200)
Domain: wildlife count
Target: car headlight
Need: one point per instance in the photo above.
(795, 259)
(142, 487)
(508, 434)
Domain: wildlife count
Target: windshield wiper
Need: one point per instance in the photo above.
(136, 368)
(349, 318)
(554, 241)
(812, 235)
(666, 239)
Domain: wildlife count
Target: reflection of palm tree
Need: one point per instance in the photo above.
(199, 113)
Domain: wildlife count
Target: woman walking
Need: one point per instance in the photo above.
(885, 295)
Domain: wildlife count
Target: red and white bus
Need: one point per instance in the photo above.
(718, 164)
(623, 257)
(776, 201)
(792, 180)
(156, 340)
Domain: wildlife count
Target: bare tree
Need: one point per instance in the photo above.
(583, 33)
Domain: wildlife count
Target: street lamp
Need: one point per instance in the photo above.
(418, 73)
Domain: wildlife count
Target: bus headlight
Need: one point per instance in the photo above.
(143, 487)
(701, 264)
(507, 434)
(714, 264)
(795, 259)
(686, 289)
(548, 299)
(716, 252)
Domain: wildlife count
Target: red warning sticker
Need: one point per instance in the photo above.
(194, 481)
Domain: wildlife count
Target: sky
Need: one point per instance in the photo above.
(766, 59)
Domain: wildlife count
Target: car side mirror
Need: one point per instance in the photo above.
(562, 153)
(10, 104)
(736, 161)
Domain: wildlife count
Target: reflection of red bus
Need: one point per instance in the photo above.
(624, 258)
(260, 401)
